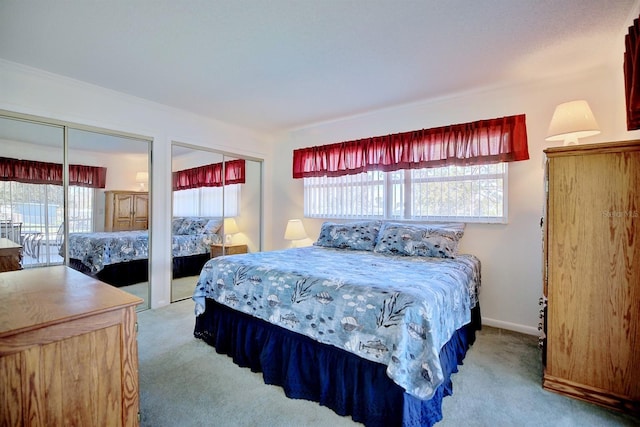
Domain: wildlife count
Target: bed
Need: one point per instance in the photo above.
(120, 258)
(370, 321)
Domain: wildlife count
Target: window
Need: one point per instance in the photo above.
(207, 201)
(454, 193)
(81, 207)
(38, 211)
(401, 176)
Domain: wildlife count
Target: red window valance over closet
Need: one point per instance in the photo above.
(482, 142)
(32, 172)
(210, 175)
(632, 75)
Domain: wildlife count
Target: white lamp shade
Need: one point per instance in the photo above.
(230, 226)
(142, 177)
(295, 230)
(572, 120)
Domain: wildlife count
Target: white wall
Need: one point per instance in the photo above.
(511, 254)
(30, 91)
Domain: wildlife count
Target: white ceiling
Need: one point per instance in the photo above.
(273, 65)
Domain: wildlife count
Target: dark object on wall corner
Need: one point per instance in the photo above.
(632, 75)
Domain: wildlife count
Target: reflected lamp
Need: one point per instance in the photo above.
(229, 228)
(142, 178)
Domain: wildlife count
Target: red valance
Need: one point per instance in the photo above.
(33, 172)
(482, 142)
(632, 76)
(210, 175)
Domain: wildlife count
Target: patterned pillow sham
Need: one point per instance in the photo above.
(354, 235)
(429, 240)
(213, 226)
(176, 223)
(198, 225)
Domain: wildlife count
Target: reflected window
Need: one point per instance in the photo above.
(209, 190)
(81, 208)
(207, 201)
(36, 212)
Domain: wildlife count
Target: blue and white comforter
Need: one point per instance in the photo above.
(97, 250)
(395, 310)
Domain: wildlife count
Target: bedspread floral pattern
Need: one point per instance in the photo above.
(96, 250)
(395, 310)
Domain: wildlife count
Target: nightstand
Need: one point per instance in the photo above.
(229, 249)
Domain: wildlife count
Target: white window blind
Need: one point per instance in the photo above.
(207, 201)
(467, 194)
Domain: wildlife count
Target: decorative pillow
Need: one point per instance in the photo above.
(430, 240)
(176, 223)
(192, 225)
(213, 226)
(354, 235)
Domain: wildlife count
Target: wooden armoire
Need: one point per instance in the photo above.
(126, 210)
(591, 349)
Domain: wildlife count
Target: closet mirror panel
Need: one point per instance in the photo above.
(249, 216)
(55, 227)
(31, 210)
(108, 209)
(216, 211)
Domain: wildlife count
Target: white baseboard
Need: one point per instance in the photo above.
(510, 326)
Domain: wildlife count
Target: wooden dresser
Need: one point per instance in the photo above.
(10, 255)
(126, 210)
(68, 350)
(592, 274)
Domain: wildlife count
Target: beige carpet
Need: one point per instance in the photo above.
(180, 289)
(184, 382)
(183, 288)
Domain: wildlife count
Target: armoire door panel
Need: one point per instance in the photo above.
(593, 273)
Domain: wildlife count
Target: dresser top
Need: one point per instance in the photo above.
(599, 148)
(8, 244)
(38, 297)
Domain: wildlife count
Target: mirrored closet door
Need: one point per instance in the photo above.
(92, 215)
(108, 229)
(31, 191)
(217, 210)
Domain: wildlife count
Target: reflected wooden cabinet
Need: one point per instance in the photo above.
(592, 274)
(68, 350)
(126, 210)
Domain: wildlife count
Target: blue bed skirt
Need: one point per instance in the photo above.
(342, 381)
(136, 271)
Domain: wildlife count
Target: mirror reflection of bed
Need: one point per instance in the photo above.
(115, 247)
(216, 207)
(32, 206)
